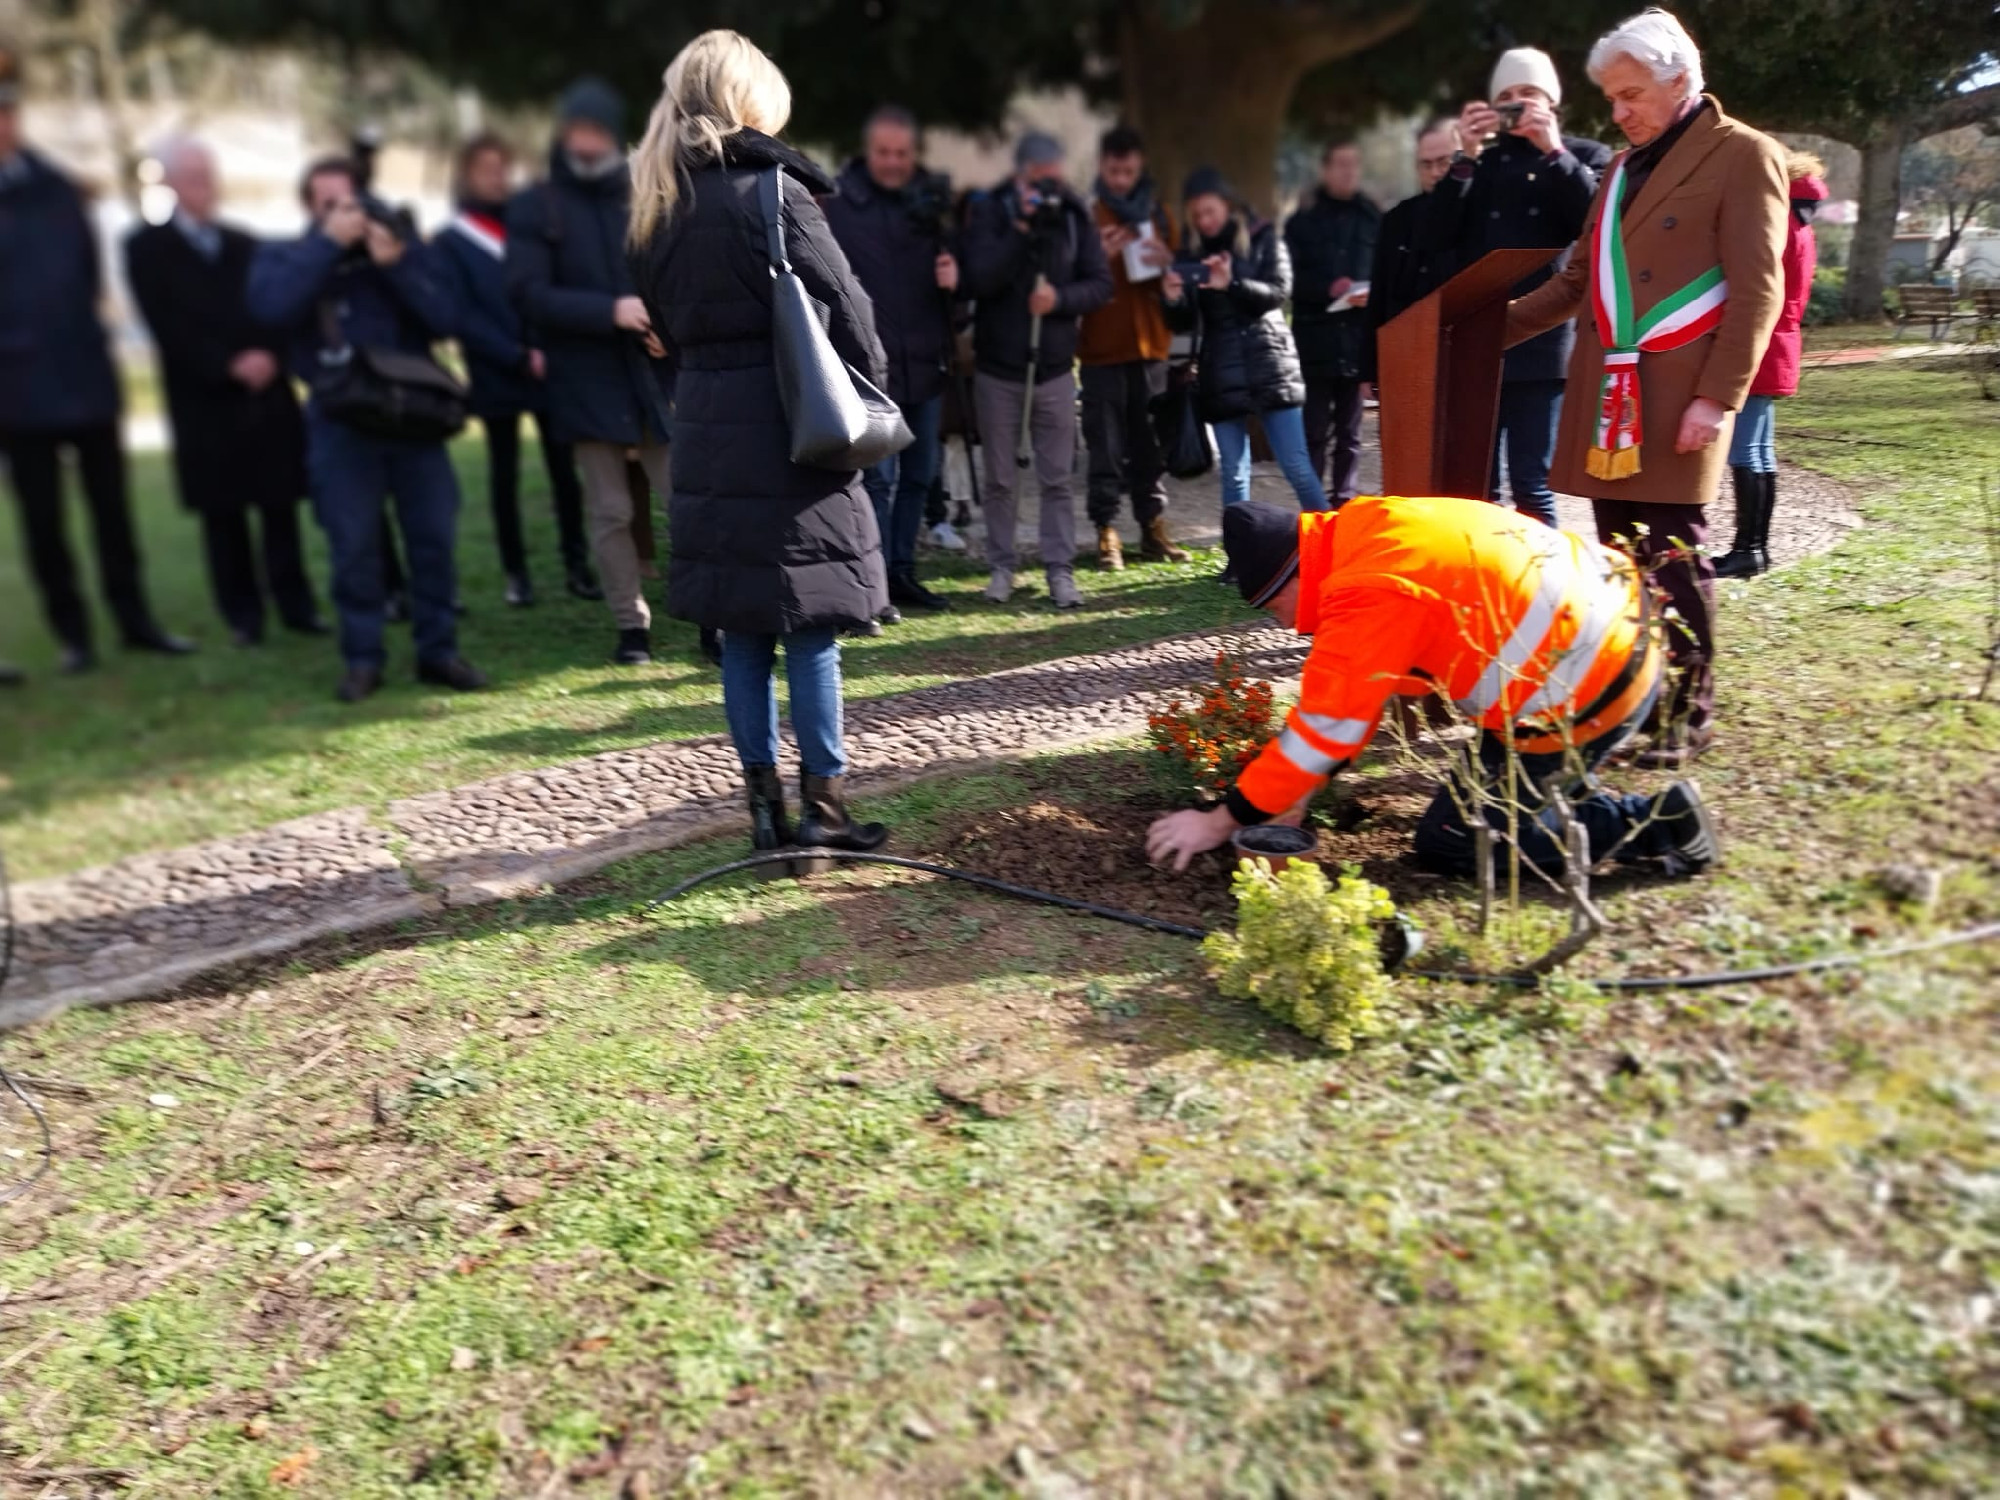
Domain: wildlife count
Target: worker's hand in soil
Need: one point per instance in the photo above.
(1178, 837)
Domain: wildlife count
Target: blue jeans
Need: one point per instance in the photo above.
(1285, 431)
(750, 698)
(900, 485)
(1528, 413)
(1444, 845)
(351, 476)
(1755, 442)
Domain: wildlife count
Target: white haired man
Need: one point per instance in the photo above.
(1681, 265)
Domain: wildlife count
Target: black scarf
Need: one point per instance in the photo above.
(1136, 207)
(1641, 160)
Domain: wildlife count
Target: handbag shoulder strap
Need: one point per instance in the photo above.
(774, 220)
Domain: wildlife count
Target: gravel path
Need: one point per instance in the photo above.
(146, 925)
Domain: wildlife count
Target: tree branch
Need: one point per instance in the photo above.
(1968, 108)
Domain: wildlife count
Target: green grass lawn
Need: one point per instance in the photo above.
(148, 754)
(871, 1188)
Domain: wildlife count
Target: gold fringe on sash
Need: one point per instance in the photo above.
(1612, 463)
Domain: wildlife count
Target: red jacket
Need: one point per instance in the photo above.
(1779, 374)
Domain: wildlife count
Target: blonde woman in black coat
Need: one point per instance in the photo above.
(765, 550)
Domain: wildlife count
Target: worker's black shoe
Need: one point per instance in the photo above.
(824, 822)
(635, 647)
(904, 589)
(1688, 833)
(453, 672)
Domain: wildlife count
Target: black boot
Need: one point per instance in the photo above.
(1770, 492)
(1741, 560)
(769, 827)
(824, 822)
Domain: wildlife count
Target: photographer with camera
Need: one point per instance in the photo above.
(1035, 265)
(1518, 183)
(357, 289)
(891, 218)
(609, 382)
(1230, 287)
(1123, 350)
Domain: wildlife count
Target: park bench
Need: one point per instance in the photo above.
(1923, 303)
(1985, 311)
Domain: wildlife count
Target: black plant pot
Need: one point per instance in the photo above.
(1277, 844)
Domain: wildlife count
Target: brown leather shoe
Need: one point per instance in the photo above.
(1160, 547)
(1110, 550)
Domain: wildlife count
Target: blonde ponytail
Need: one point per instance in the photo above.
(719, 84)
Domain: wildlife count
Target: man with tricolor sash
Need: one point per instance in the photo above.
(1680, 275)
(1540, 638)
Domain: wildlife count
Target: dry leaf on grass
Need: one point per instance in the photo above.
(292, 1469)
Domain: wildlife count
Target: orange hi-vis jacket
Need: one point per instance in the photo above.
(1528, 630)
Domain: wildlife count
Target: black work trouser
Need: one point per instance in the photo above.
(1118, 431)
(34, 464)
(233, 557)
(503, 471)
(1333, 425)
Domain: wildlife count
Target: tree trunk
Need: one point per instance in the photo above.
(1875, 225)
(1214, 90)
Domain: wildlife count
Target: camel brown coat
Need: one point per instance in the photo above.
(1717, 197)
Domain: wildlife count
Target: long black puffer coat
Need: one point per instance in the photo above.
(1248, 362)
(760, 544)
(1329, 238)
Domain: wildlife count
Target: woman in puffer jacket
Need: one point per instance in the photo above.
(1247, 364)
(1753, 453)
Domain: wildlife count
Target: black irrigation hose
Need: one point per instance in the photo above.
(16, 1189)
(1978, 934)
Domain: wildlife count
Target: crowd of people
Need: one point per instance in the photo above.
(606, 301)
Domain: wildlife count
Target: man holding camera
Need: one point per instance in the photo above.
(890, 218)
(1123, 348)
(1332, 240)
(1035, 265)
(360, 280)
(609, 384)
(1519, 183)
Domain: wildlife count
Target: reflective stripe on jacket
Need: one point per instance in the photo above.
(1517, 623)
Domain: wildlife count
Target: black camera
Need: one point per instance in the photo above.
(927, 201)
(1045, 215)
(1192, 272)
(398, 220)
(1510, 113)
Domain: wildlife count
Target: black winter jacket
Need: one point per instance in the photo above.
(896, 263)
(1402, 274)
(566, 268)
(490, 335)
(1517, 199)
(55, 364)
(761, 545)
(1330, 238)
(1000, 265)
(1247, 361)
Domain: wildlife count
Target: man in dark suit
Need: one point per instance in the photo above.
(58, 390)
(239, 444)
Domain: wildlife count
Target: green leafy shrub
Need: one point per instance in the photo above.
(1307, 951)
(1826, 303)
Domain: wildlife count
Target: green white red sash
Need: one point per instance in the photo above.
(1677, 319)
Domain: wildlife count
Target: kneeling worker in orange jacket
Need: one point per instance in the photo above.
(1538, 636)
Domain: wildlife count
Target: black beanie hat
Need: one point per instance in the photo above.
(1262, 544)
(1204, 180)
(596, 101)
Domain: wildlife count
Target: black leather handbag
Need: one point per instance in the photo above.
(1186, 449)
(385, 393)
(837, 417)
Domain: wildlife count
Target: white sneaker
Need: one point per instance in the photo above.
(945, 537)
(1000, 588)
(1063, 592)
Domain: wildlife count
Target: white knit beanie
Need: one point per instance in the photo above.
(1528, 65)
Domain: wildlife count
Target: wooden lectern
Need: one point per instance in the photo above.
(1438, 369)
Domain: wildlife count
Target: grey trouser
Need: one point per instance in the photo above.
(1054, 438)
(607, 507)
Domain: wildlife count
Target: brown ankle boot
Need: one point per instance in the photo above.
(1160, 547)
(1110, 550)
